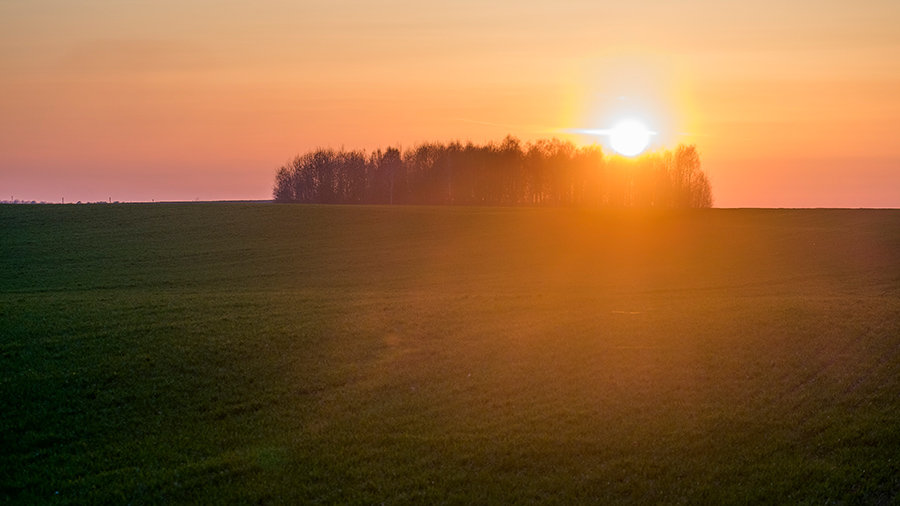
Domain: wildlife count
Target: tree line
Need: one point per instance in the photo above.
(545, 172)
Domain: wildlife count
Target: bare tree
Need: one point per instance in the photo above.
(546, 172)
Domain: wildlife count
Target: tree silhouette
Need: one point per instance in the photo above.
(545, 172)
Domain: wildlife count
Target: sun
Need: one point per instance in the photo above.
(629, 137)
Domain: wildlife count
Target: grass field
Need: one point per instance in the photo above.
(301, 354)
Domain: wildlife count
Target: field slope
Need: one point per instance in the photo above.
(293, 354)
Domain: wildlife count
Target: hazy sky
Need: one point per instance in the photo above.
(790, 104)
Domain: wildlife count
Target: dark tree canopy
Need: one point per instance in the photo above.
(546, 172)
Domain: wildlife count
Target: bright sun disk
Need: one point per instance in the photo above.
(629, 137)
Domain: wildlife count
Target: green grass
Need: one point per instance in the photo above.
(250, 353)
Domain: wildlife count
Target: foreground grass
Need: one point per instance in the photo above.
(260, 353)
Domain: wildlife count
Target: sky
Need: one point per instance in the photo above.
(790, 104)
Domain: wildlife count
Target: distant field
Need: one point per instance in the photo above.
(293, 354)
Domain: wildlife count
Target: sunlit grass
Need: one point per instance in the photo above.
(247, 353)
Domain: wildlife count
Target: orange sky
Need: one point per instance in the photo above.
(790, 105)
